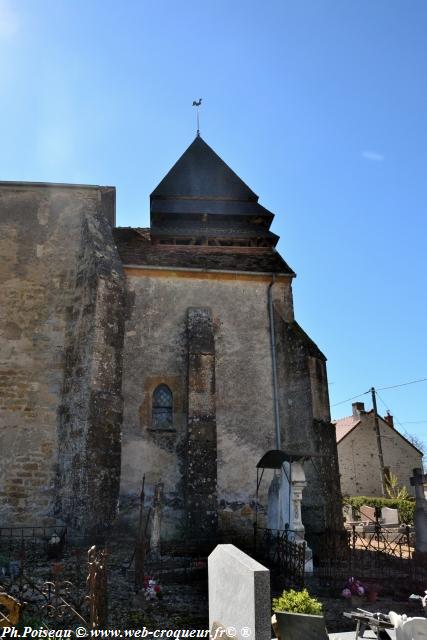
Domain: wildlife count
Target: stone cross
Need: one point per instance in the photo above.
(239, 595)
(420, 519)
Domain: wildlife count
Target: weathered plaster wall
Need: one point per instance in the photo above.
(359, 463)
(43, 234)
(155, 352)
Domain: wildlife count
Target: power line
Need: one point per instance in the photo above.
(404, 384)
(394, 386)
(348, 399)
(405, 432)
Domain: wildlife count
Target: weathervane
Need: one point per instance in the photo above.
(197, 105)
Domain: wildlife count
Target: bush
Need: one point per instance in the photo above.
(406, 508)
(297, 602)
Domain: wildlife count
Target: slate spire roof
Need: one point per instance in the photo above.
(203, 216)
(201, 173)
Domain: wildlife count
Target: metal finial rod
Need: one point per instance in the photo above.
(197, 103)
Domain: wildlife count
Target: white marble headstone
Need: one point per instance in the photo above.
(239, 594)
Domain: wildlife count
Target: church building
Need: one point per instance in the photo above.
(169, 352)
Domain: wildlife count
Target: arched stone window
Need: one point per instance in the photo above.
(162, 408)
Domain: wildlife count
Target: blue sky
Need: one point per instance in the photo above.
(319, 105)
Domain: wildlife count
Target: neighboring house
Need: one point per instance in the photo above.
(358, 453)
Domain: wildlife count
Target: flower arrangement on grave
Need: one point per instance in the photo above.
(353, 588)
(151, 588)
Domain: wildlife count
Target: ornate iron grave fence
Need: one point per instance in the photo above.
(283, 553)
(52, 594)
(37, 542)
(374, 554)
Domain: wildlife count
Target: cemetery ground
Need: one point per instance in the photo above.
(182, 601)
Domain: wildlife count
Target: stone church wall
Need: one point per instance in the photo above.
(52, 239)
(156, 353)
(306, 424)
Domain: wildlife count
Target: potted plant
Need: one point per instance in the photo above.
(354, 590)
(299, 615)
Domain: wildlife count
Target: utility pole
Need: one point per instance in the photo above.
(379, 445)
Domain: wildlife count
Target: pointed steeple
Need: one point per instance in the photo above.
(202, 202)
(203, 216)
(200, 173)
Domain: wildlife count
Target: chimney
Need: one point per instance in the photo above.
(389, 419)
(358, 408)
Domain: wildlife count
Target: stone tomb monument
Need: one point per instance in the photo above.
(239, 595)
(284, 505)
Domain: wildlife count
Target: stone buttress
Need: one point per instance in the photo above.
(201, 485)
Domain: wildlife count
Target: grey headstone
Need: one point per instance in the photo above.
(239, 594)
(347, 511)
(390, 516)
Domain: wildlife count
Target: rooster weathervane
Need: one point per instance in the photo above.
(197, 104)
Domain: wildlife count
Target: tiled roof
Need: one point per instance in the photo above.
(135, 248)
(344, 426)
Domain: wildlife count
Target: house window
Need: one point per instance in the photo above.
(162, 411)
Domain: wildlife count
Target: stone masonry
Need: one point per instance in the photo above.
(60, 354)
(131, 352)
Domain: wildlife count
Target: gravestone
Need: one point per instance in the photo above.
(347, 512)
(239, 594)
(279, 499)
(389, 516)
(367, 514)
